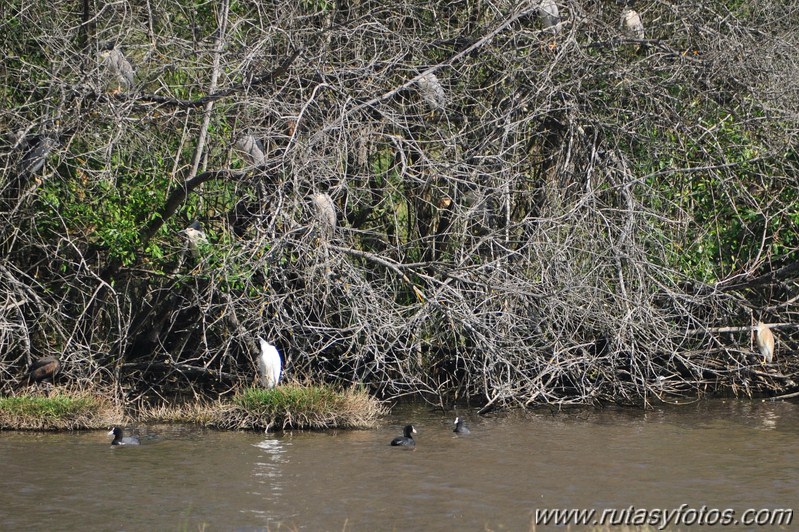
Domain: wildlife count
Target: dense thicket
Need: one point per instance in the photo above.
(522, 216)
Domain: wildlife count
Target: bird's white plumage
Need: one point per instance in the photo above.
(269, 365)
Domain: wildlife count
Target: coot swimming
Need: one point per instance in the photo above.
(459, 428)
(406, 440)
(120, 440)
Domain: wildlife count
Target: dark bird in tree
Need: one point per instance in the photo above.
(195, 233)
(119, 69)
(44, 368)
(32, 151)
(407, 439)
(35, 150)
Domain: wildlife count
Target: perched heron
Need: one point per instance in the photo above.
(631, 23)
(550, 16)
(432, 91)
(269, 365)
(765, 342)
(120, 439)
(36, 149)
(196, 236)
(459, 428)
(325, 212)
(119, 68)
(252, 149)
(406, 439)
(44, 368)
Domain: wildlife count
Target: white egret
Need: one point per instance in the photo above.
(269, 365)
(765, 342)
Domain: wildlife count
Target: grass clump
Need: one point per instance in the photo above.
(298, 406)
(62, 411)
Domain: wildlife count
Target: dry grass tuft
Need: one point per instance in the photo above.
(201, 413)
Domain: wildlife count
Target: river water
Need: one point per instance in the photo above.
(717, 455)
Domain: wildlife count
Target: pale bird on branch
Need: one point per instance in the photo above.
(196, 234)
(549, 14)
(765, 342)
(432, 91)
(325, 212)
(252, 150)
(631, 23)
(197, 239)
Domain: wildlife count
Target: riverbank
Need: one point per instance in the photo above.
(291, 406)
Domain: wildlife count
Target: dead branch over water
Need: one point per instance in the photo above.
(536, 235)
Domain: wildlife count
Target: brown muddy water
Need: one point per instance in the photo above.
(718, 454)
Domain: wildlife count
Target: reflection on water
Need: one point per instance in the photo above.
(273, 455)
(723, 454)
(267, 472)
